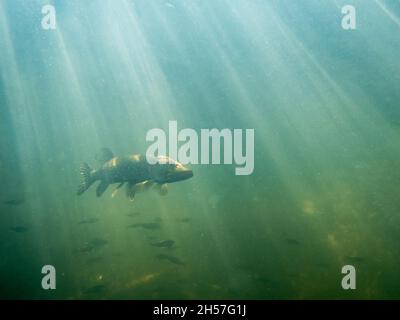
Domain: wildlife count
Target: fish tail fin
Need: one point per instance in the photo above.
(86, 178)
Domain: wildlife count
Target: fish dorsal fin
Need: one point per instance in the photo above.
(104, 155)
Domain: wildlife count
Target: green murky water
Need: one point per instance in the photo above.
(324, 104)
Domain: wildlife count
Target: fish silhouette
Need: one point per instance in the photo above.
(19, 229)
(163, 243)
(14, 202)
(89, 221)
(171, 259)
(148, 226)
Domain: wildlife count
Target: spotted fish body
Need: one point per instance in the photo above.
(125, 169)
(135, 171)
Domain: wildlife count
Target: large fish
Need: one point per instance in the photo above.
(135, 171)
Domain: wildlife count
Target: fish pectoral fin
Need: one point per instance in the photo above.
(130, 190)
(120, 185)
(162, 188)
(114, 193)
(143, 186)
(101, 188)
(147, 184)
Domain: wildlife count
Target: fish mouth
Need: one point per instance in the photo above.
(180, 175)
(187, 174)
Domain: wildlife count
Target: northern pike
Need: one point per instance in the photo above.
(134, 171)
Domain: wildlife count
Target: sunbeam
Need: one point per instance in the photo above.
(78, 100)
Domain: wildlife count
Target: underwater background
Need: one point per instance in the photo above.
(324, 104)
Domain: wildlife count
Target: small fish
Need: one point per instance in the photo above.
(98, 242)
(19, 229)
(262, 279)
(292, 241)
(14, 202)
(133, 214)
(89, 220)
(86, 249)
(93, 245)
(355, 258)
(163, 243)
(95, 289)
(148, 226)
(117, 254)
(171, 259)
(293, 275)
(323, 265)
(94, 260)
